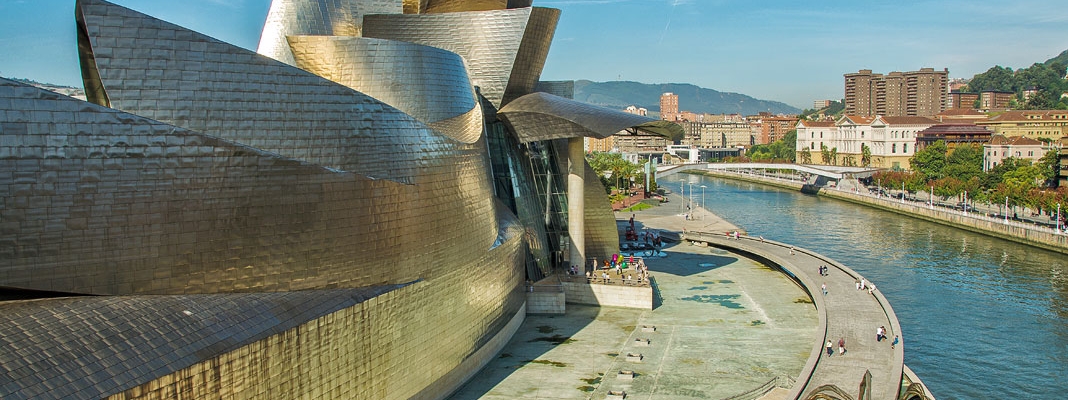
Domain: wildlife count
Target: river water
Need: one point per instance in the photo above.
(981, 317)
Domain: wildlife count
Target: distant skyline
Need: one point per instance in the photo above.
(788, 51)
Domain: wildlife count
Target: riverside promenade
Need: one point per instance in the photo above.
(868, 365)
(844, 313)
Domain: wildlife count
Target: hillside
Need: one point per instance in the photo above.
(620, 94)
(1060, 58)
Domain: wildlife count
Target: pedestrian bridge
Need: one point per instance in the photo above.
(829, 172)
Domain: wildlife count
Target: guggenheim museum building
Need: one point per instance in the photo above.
(350, 212)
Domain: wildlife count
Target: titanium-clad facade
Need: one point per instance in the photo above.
(503, 67)
(219, 223)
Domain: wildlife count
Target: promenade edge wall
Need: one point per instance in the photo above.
(1044, 240)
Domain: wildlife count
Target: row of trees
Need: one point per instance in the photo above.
(949, 174)
(779, 151)
(615, 172)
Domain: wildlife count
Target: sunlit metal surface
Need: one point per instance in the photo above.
(317, 17)
(542, 116)
(212, 87)
(448, 6)
(425, 82)
(602, 234)
(505, 50)
(316, 240)
(77, 340)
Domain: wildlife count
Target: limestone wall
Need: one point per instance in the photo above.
(609, 295)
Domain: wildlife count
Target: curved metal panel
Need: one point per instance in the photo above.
(488, 40)
(448, 6)
(425, 82)
(77, 338)
(127, 205)
(542, 116)
(602, 233)
(167, 73)
(532, 53)
(316, 17)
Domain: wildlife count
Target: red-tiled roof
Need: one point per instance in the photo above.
(816, 124)
(909, 121)
(961, 112)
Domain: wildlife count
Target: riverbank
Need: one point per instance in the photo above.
(996, 227)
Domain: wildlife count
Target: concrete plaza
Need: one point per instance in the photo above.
(724, 325)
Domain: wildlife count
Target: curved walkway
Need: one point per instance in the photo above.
(844, 312)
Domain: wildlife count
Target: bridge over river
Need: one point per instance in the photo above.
(812, 173)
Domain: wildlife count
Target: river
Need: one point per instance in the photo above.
(981, 317)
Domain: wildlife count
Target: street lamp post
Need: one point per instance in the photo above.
(1058, 217)
(691, 200)
(930, 197)
(703, 201)
(964, 210)
(902, 192)
(1006, 209)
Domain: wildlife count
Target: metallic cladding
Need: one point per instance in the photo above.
(164, 72)
(492, 42)
(425, 82)
(449, 6)
(110, 203)
(542, 116)
(602, 233)
(533, 51)
(78, 339)
(317, 17)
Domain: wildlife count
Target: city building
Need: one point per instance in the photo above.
(1062, 180)
(773, 129)
(1042, 125)
(993, 100)
(961, 116)
(220, 223)
(963, 100)
(818, 104)
(718, 134)
(1000, 147)
(953, 135)
(891, 141)
(609, 144)
(669, 107)
(913, 93)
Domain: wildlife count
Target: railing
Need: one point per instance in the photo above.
(781, 381)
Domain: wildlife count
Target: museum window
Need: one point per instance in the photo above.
(893, 148)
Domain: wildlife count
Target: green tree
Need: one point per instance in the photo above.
(865, 155)
(964, 163)
(1051, 167)
(825, 154)
(806, 156)
(834, 155)
(931, 160)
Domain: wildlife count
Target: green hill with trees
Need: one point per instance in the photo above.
(1047, 78)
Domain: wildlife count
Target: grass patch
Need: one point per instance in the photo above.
(628, 328)
(637, 207)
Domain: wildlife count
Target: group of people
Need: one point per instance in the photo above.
(618, 264)
(736, 235)
(823, 270)
(841, 347)
(864, 284)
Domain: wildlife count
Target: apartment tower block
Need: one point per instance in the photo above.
(915, 93)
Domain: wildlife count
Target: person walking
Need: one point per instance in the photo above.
(841, 346)
(894, 343)
(824, 287)
(830, 348)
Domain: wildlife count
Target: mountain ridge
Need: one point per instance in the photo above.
(620, 94)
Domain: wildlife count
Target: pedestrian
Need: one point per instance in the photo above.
(857, 281)
(735, 235)
(841, 346)
(830, 348)
(863, 283)
(824, 287)
(879, 334)
(792, 253)
(894, 343)
(871, 289)
(762, 239)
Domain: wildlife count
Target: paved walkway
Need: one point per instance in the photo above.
(844, 312)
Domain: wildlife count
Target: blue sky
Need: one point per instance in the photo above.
(790, 51)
